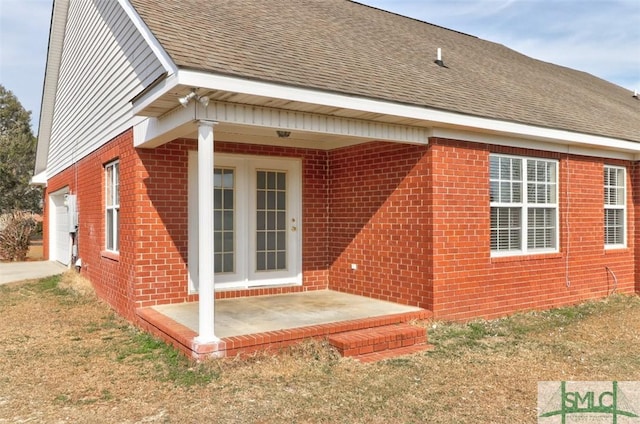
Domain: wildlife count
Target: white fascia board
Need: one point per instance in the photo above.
(161, 88)
(153, 132)
(165, 84)
(148, 36)
(39, 179)
(52, 69)
(434, 116)
(624, 150)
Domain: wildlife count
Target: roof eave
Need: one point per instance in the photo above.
(185, 79)
(52, 69)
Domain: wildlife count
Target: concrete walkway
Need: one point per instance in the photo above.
(18, 271)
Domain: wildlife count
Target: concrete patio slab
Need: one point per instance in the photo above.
(17, 271)
(260, 314)
(245, 325)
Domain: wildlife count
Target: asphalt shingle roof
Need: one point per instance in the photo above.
(345, 47)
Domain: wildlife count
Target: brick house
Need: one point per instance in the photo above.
(306, 146)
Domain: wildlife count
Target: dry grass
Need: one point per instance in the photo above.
(66, 357)
(75, 284)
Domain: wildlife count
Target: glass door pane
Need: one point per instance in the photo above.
(223, 220)
(271, 221)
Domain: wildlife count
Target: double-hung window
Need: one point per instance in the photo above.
(524, 205)
(112, 206)
(614, 206)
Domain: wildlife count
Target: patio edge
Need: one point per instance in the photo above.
(183, 337)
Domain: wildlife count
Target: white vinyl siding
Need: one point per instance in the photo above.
(105, 63)
(524, 205)
(615, 213)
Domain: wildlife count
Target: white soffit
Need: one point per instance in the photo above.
(434, 117)
(156, 131)
(449, 122)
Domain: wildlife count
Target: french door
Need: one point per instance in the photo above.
(257, 204)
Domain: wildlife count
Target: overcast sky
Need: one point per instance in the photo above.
(601, 37)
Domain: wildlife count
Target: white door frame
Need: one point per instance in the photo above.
(245, 276)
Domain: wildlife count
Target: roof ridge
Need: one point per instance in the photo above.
(413, 19)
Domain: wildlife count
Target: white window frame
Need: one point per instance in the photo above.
(524, 205)
(112, 204)
(616, 206)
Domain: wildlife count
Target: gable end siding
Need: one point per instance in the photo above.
(105, 63)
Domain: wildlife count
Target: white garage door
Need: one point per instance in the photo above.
(59, 240)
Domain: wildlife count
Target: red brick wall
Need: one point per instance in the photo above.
(161, 225)
(635, 184)
(151, 267)
(45, 221)
(460, 222)
(469, 283)
(110, 274)
(414, 220)
(161, 275)
(380, 221)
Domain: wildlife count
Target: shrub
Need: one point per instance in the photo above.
(15, 235)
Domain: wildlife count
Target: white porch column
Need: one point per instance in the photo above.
(206, 317)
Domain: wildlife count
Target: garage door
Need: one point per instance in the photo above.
(59, 240)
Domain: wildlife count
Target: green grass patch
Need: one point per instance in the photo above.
(68, 400)
(126, 342)
(169, 364)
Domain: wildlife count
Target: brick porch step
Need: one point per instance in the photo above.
(393, 353)
(372, 344)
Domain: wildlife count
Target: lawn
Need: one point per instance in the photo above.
(66, 357)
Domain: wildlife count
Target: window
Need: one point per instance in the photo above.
(524, 205)
(614, 206)
(112, 206)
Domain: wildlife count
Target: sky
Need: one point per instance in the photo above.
(601, 37)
